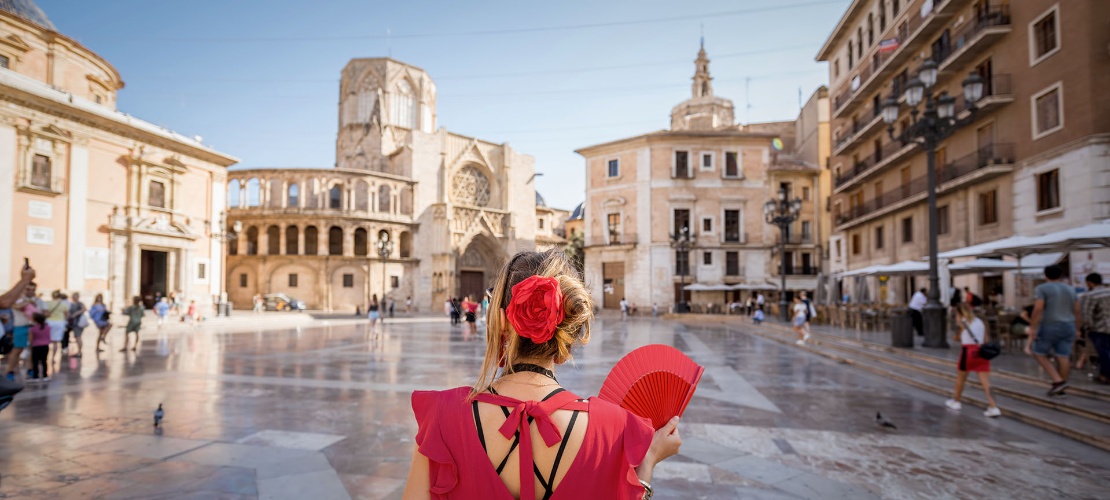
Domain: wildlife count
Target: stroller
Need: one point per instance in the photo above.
(8, 390)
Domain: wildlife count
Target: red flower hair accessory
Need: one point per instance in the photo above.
(536, 308)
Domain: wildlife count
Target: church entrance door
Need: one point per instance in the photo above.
(153, 272)
(472, 284)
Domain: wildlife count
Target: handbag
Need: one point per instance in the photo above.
(7, 343)
(83, 321)
(987, 350)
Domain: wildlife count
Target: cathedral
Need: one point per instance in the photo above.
(410, 211)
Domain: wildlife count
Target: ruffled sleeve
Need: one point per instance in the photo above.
(430, 443)
(637, 439)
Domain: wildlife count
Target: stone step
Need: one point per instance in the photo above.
(1078, 426)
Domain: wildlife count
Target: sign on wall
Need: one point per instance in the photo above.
(96, 263)
(40, 235)
(40, 209)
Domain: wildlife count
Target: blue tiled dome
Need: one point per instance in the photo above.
(27, 10)
(539, 200)
(579, 212)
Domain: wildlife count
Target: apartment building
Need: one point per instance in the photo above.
(1034, 157)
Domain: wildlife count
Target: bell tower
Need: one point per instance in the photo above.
(703, 110)
(703, 85)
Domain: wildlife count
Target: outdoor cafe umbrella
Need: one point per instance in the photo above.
(906, 267)
(1095, 235)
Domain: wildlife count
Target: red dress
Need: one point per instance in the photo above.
(614, 444)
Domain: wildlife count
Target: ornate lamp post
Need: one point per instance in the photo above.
(937, 122)
(385, 247)
(682, 244)
(223, 236)
(782, 212)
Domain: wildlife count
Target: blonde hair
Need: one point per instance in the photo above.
(578, 310)
(964, 311)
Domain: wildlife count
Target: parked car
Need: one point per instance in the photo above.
(282, 302)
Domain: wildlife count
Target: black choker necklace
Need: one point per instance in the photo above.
(529, 367)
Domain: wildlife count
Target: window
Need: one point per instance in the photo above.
(4, 62)
(882, 17)
(878, 190)
(403, 105)
(273, 240)
(1044, 37)
(362, 246)
(348, 281)
(806, 228)
(243, 280)
(41, 171)
(836, 69)
(706, 225)
(732, 226)
(732, 164)
(988, 207)
(681, 220)
(291, 237)
(907, 230)
(293, 280)
(805, 193)
(894, 8)
(851, 55)
(395, 282)
(335, 197)
(335, 241)
(707, 161)
(311, 234)
(202, 271)
(682, 164)
(682, 263)
(1048, 190)
(856, 244)
(879, 238)
(540, 223)
(156, 194)
(1048, 111)
(707, 258)
(294, 196)
(870, 29)
(732, 263)
(839, 251)
(942, 220)
(614, 168)
(614, 229)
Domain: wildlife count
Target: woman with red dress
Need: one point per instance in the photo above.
(519, 433)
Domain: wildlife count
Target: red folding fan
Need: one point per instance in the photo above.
(655, 382)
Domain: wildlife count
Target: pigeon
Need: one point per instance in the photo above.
(158, 414)
(884, 422)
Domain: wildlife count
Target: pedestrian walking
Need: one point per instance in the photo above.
(56, 310)
(391, 307)
(917, 305)
(41, 340)
(408, 304)
(1053, 330)
(624, 308)
(100, 314)
(453, 310)
(760, 300)
(78, 321)
(470, 309)
(973, 333)
(800, 320)
(19, 299)
(811, 312)
(162, 309)
(134, 313)
(1095, 314)
(258, 305)
(373, 313)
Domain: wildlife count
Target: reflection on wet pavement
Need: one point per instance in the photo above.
(323, 411)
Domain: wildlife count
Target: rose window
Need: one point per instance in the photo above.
(470, 187)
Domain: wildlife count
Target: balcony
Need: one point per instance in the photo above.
(872, 120)
(988, 161)
(912, 30)
(889, 153)
(800, 271)
(974, 38)
(996, 93)
(734, 237)
(615, 239)
(795, 239)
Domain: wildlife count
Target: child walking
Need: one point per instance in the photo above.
(40, 348)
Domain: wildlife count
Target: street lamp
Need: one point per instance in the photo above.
(782, 212)
(937, 122)
(385, 247)
(223, 236)
(682, 244)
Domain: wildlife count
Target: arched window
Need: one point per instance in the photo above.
(405, 245)
(252, 241)
(406, 201)
(360, 242)
(234, 190)
(233, 243)
(384, 199)
(383, 235)
(254, 192)
(335, 241)
(403, 105)
(311, 246)
(335, 197)
(362, 196)
(273, 240)
(291, 237)
(294, 198)
(275, 193)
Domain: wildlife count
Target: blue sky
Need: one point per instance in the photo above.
(258, 79)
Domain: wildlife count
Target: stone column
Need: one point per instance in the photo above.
(300, 240)
(263, 240)
(281, 240)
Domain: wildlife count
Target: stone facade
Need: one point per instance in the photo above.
(455, 207)
(97, 200)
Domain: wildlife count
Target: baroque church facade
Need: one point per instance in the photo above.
(449, 208)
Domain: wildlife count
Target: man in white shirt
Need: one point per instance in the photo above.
(759, 300)
(624, 308)
(917, 304)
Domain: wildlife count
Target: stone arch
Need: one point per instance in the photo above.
(360, 240)
(384, 198)
(234, 193)
(252, 240)
(254, 192)
(335, 197)
(292, 235)
(362, 196)
(335, 240)
(404, 244)
(477, 265)
(311, 240)
(273, 240)
(406, 200)
(293, 195)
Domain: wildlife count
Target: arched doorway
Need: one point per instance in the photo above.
(477, 266)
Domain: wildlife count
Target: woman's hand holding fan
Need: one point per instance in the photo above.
(655, 382)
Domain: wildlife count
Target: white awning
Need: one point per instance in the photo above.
(1095, 235)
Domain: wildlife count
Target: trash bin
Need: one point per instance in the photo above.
(901, 328)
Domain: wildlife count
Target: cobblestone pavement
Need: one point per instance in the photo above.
(321, 411)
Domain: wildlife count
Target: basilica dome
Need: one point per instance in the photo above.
(27, 9)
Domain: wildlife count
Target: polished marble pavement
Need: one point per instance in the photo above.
(321, 411)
